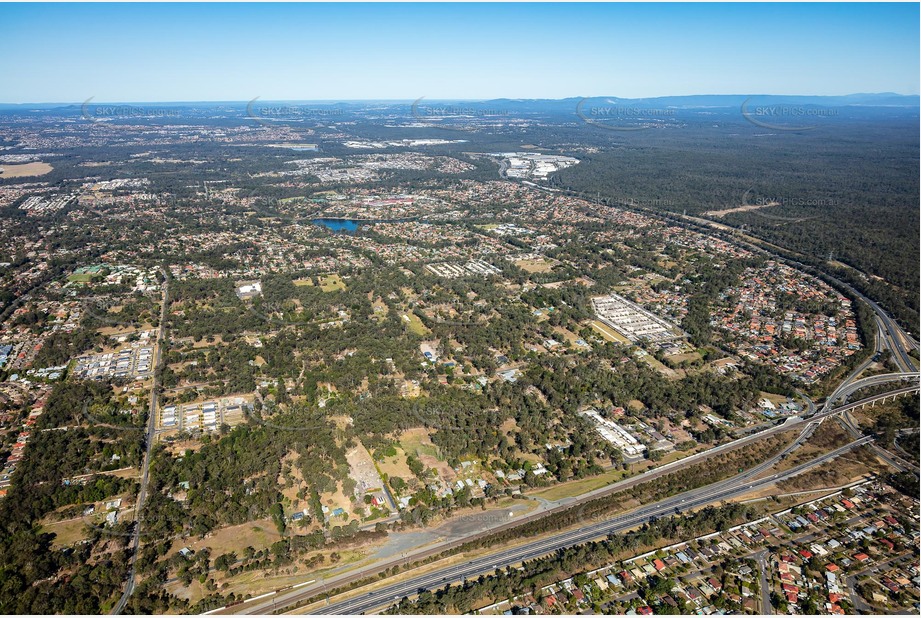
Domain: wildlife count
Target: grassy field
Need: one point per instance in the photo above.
(575, 488)
(653, 362)
(109, 331)
(609, 333)
(416, 441)
(414, 324)
(67, 532)
(775, 399)
(331, 283)
(380, 309)
(395, 466)
(680, 358)
(535, 266)
(260, 534)
(636, 405)
(302, 282)
(259, 582)
(567, 335)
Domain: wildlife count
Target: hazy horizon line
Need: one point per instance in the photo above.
(470, 100)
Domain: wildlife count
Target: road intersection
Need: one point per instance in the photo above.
(743, 483)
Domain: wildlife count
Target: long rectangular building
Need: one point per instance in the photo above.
(616, 435)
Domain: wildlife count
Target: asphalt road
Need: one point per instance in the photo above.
(890, 335)
(287, 598)
(765, 585)
(897, 462)
(850, 386)
(693, 499)
(851, 582)
(145, 473)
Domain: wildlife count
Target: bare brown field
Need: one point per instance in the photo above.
(745, 208)
(535, 266)
(396, 466)
(19, 170)
(609, 333)
(259, 534)
(66, 532)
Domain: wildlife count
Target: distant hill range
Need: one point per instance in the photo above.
(699, 101)
(696, 101)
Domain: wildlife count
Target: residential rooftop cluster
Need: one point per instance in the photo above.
(775, 307)
(43, 204)
(824, 549)
(473, 267)
(204, 417)
(133, 361)
(22, 439)
(631, 447)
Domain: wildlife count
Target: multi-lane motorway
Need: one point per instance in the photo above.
(689, 500)
(890, 458)
(740, 484)
(889, 336)
(851, 386)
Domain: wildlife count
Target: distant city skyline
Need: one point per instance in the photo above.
(313, 52)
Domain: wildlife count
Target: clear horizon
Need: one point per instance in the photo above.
(176, 53)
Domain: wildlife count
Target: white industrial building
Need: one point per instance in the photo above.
(616, 435)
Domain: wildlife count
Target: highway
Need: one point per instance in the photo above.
(889, 336)
(893, 337)
(717, 492)
(711, 493)
(851, 385)
(896, 339)
(159, 351)
(890, 458)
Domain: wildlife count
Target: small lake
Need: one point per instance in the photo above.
(339, 225)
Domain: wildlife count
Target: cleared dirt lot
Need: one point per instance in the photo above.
(535, 266)
(24, 169)
(396, 466)
(362, 470)
(609, 333)
(743, 208)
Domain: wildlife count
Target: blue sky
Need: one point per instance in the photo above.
(222, 52)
